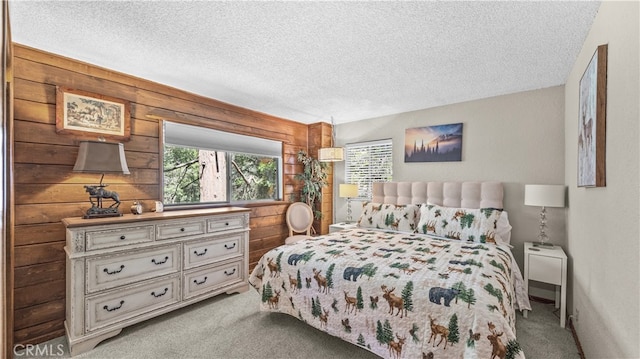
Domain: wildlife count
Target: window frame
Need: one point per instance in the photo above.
(228, 154)
(365, 191)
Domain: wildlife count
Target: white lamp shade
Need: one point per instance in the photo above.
(331, 154)
(348, 190)
(544, 195)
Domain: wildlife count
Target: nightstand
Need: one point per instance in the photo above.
(342, 225)
(547, 265)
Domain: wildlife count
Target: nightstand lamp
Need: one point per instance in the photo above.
(544, 196)
(348, 191)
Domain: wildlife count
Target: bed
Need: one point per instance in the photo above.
(427, 273)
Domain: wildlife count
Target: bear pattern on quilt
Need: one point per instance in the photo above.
(398, 295)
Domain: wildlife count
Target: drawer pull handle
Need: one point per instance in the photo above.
(116, 271)
(166, 258)
(123, 237)
(114, 308)
(232, 247)
(226, 223)
(181, 229)
(198, 283)
(160, 294)
(232, 272)
(200, 254)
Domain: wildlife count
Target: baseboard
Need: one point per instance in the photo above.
(575, 338)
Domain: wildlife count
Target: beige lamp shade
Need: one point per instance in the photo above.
(101, 157)
(544, 195)
(331, 154)
(348, 190)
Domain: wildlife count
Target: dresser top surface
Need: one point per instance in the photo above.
(151, 216)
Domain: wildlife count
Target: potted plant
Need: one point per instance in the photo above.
(313, 178)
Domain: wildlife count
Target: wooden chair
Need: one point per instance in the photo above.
(299, 220)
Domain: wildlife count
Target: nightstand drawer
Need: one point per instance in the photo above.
(545, 269)
(341, 226)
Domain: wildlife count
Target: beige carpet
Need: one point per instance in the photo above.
(231, 326)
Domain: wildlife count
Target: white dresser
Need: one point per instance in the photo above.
(123, 270)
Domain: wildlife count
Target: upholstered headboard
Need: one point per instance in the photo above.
(447, 194)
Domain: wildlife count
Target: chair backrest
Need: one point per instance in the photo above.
(299, 218)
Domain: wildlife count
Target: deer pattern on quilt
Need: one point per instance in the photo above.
(397, 295)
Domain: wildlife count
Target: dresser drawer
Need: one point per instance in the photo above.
(111, 271)
(213, 250)
(180, 229)
(224, 223)
(121, 304)
(118, 237)
(213, 278)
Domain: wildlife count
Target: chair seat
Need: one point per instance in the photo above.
(296, 238)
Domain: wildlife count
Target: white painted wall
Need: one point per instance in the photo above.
(516, 138)
(602, 225)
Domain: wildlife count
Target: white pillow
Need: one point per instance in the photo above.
(503, 230)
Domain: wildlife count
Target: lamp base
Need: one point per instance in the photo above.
(96, 212)
(98, 193)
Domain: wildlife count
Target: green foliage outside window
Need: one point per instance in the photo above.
(181, 175)
(194, 175)
(253, 177)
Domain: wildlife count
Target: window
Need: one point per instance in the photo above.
(368, 162)
(202, 165)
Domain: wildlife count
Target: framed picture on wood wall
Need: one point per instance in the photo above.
(84, 113)
(592, 121)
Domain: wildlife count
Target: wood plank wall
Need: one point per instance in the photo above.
(46, 190)
(320, 135)
(6, 248)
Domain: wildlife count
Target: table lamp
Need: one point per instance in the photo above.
(348, 191)
(101, 157)
(543, 196)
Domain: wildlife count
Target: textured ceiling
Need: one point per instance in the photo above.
(309, 61)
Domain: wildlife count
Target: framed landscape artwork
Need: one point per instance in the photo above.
(84, 113)
(592, 121)
(441, 143)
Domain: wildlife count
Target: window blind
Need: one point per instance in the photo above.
(368, 162)
(201, 137)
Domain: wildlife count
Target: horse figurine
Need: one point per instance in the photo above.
(98, 192)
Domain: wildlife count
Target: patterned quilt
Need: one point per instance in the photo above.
(398, 295)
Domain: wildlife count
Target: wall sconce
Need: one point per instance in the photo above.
(348, 191)
(544, 196)
(331, 154)
(101, 157)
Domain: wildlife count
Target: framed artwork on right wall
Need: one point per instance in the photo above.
(592, 121)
